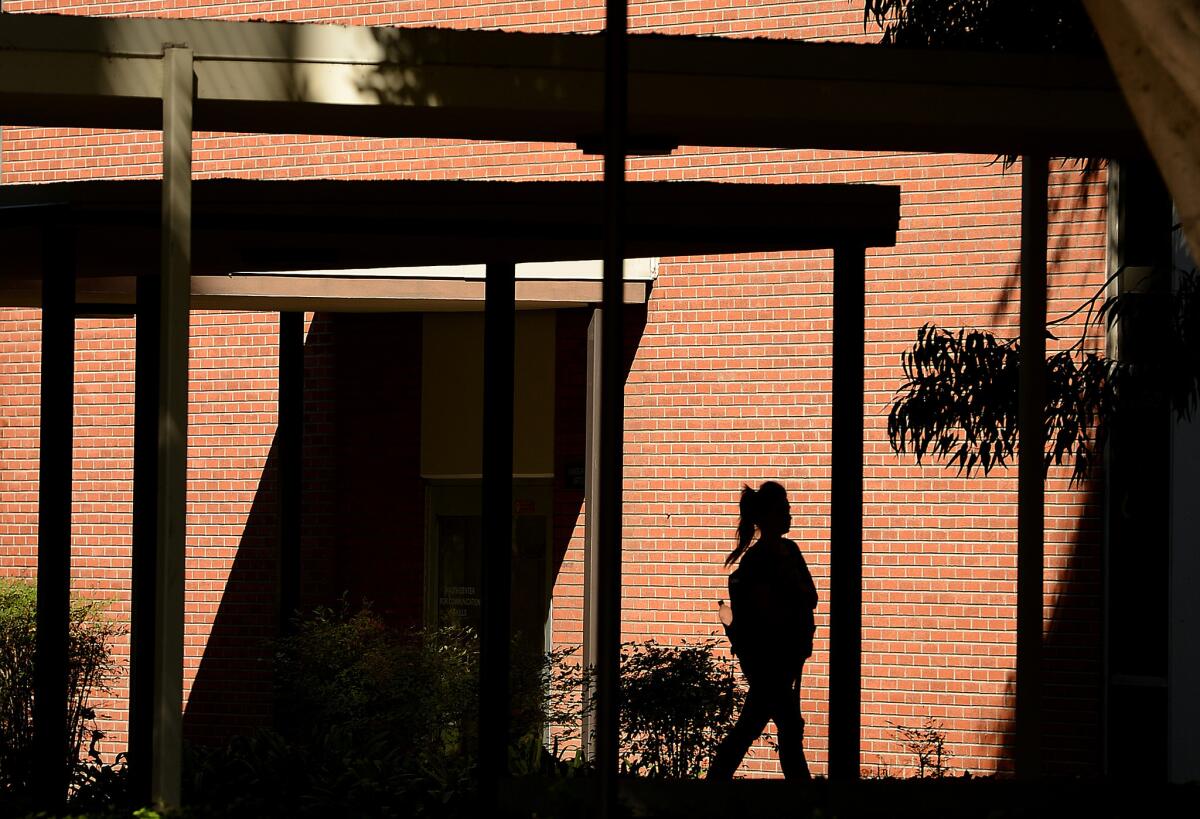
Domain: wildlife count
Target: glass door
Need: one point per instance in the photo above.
(454, 552)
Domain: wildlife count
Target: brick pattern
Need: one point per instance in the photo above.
(729, 384)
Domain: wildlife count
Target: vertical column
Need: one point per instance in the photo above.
(845, 513)
(178, 84)
(1183, 652)
(55, 436)
(1031, 437)
(495, 629)
(1139, 568)
(612, 412)
(591, 529)
(145, 530)
(291, 461)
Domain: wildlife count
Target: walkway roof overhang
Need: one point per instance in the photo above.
(368, 236)
(495, 85)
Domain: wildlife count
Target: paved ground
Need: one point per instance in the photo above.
(982, 798)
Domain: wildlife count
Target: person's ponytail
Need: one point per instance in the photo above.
(748, 506)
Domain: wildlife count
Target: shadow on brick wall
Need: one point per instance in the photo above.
(1072, 651)
(363, 515)
(231, 692)
(232, 689)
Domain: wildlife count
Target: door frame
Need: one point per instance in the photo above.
(463, 496)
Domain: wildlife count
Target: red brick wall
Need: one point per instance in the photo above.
(730, 384)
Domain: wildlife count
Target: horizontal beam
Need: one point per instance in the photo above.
(330, 294)
(494, 85)
(245, 226)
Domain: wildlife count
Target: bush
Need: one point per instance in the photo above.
(349, 669)
(677, 704)
(345, 669)
(378, 722)
(90, 667)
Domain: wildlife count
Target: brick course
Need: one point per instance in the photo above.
(729, 384)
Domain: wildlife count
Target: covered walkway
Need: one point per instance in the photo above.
(280, 78)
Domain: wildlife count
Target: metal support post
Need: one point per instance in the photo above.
(612, 412)
(1031, 467)
(291, 461)
(145, 530)
(55, 436)
(178, 98)
(496, 611)
(845, 514)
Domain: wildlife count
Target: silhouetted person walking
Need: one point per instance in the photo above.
(772, 597)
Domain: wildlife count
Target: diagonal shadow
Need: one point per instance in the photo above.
(1072, 650)
(363, 509)
(570, 416)
(362, 516)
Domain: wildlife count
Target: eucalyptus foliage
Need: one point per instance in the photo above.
(1033, 26)
(959, 401)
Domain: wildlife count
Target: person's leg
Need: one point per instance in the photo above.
(749, 726)
(786, 713)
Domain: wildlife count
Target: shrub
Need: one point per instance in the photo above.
(339, 668)
(379, 722)
(373, 721)
(89, 666)
(677, 704)
(343, 668)
(927, 743)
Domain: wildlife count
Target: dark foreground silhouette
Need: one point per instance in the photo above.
(772, 597)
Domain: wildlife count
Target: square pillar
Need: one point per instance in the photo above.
(496, 587)
(845, 513)
(144, 547)
(609, 478)
(290, 438)
(1031, 469)
(171, 498)
(55, 438)
(591, 528)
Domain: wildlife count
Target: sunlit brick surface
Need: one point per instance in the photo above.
(730, 384)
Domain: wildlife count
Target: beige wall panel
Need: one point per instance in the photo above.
(533, 415)
(452, 394)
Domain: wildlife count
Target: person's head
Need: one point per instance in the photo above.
(765, 510)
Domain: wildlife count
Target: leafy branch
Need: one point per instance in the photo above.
(1033, 26)
(959, 402)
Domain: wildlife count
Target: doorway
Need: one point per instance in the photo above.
(454, 554)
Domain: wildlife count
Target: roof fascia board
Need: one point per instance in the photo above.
(642, 270)
(332, 293)
(322, 79)
(656, 53)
